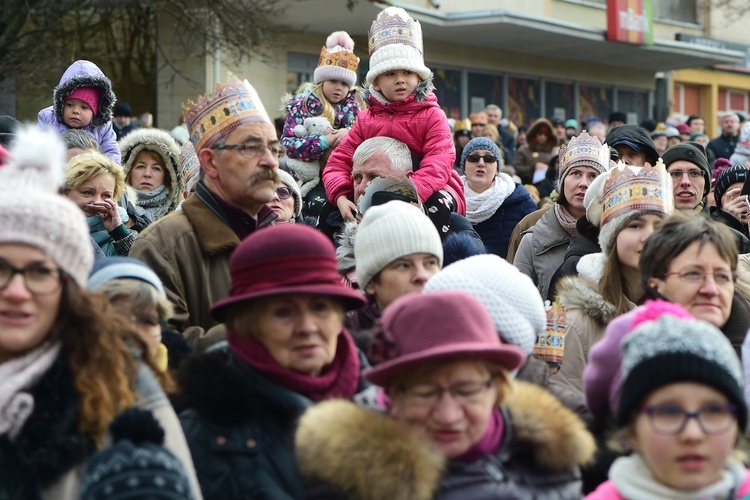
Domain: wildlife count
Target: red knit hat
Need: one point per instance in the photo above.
(89, 95)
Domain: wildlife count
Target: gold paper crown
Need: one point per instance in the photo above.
(584, 150)
(341, 59)
(395, 26)
(630, 190)
(232, 104)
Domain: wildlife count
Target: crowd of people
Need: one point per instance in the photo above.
(369, 300)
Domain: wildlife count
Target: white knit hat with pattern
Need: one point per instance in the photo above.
(395, 42)
(391, 231)
(34, 213)
(337, 60)
(510, 296)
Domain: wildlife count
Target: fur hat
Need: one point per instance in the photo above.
(582, 150)
(34, 213)
(391, 231)
(89, 95)
(289, 182)
(691, 152)
(625, 193)
(510, 296)
(163, 145)
(732, 175)
(337, 60)
(395, 42)
(482, 143)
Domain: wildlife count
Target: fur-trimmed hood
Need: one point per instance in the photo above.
(368, 455)
(422, 92)
(345, 249)
(582, 291)
(85, 74)
(162, 144)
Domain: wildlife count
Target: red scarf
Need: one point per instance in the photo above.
(339, 379)
(490, 442)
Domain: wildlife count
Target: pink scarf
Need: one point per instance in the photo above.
(567, 221)
(490, 442)
(339, 379)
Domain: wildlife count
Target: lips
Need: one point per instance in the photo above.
(685, 195)
(692, 462)
(445, 435)
(15, 318)
(306, 350)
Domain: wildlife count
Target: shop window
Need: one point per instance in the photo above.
(559, 100)
(485, 89)
(524, 100)
(634, 104)
(594, 102)
(448, 91)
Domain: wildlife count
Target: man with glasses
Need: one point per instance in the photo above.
(238, 150)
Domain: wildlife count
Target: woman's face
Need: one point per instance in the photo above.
(631, 238)
(708, 299)
(147, 323)
(26, 318)
(480, 173)
(407, 274)
(691, 459)
(147, 173)
(95, 190)
(576, 184)
(463, 140)
(283, 203)
(452, 405)
(542, 135)
(300, 331)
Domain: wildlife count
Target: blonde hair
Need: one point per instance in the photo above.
(143, 297)
(86, 166)
(308, 89)
(494, 136)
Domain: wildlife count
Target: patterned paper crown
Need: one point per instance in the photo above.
(232, 104)
(584, 150)
(629, 189)
(395, 26)
(339, 58)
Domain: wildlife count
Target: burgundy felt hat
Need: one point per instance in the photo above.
(445, 325)
(288, 258)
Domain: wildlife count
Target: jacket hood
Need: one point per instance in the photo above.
(345, 249)
(423, 91)
(582, 291)
(534, 130)
(366, 454)
(165, 147)
(635, 137)
(85, 74)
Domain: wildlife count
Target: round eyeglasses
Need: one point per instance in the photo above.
(39, 280)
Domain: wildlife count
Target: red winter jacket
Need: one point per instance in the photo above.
(420, 125)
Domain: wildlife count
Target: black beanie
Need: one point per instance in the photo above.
(694, 153)
(732, 175)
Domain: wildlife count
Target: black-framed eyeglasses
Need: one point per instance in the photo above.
(252, 150)
(428, 395)
(283, 192)
(698, 277)
(39, 280)
(671, 419)
(486, 158)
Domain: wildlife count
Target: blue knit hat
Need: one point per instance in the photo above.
(113, 268)
(481, 143)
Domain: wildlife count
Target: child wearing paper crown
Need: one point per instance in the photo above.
(332, 95)
(402, 105)
(83, 100)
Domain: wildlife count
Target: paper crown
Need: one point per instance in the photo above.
(232, 104)
(584, 150)
(339, 59)
(395, 26)
(630, 189)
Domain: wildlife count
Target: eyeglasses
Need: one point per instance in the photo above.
(283, 192)
(692, 174)
(428, 395)
(670, 419)
(486, 158)
(40, 280)
(696, 277)
(253, 150)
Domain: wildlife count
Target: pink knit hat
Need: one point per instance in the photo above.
(89, 95)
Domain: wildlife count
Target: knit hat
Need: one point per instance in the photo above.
(289, 182)
(635, 138)
(123, 109)
(732, 175)
(190, 166)
(8, 127)
(337, 60)
(114, 268)
(625, 193)
(33, 213)
(692, 152)
(381, 190)
(391, 231)
(509, 296)
(137, 465)
(720, 165)
(617, 116)
(232, 104)
(572, 123)
(683, 128)
(481, 143)
(89, 95)
(582, 150)
(671, 350)
(422, 327)
(395, 42)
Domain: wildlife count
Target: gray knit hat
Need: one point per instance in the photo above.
(34, 213)
(114, 268)
(482, 143)
(510, 296)
(289, 182)
(391, 231)
(671, 350)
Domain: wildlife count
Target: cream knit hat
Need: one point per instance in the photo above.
(396, 43)
(390, 231)
(337, 60)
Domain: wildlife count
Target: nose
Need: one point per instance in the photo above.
(709, 286)
(420, 273)
(16, 288)
(647, 231)
(447, 411)
(148, 172)
(692, 430)
(275, 197)
(307, 323)
(684, 179)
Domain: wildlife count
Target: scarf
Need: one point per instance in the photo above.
(155, 203)
(633, 479)
(490, 442)
(482, 206)
(339, 379)
(567, 221)
(100, 234)
(18, 375)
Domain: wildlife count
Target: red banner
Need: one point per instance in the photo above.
(630, 21)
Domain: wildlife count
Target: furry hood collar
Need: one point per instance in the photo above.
(582, 291)
(366, 454)
(85, 74)
(345, 249)
(424, 90)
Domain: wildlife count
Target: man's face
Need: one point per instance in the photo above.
(688, 184)
(730, 125)
(244, 181)
(630, 156)
(560, 131)
(122, 121)
(493, 116)
(378, 165)
(697, 126)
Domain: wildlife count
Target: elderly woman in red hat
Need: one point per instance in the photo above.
(286, 349)
(450, 423)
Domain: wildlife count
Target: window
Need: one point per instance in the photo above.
(448, 91)
(684, 11)
(299, 69)
(524, 100)
(633, 104)
(559, 100)
(594, 101)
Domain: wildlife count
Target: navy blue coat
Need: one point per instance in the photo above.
(495, 231)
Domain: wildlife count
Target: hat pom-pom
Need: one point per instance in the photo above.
(40, 152)
(139, 426)
(340, 39)
(720, 165)
(654, 309)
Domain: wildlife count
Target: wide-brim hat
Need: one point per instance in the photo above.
(444, 325)
(285, 259)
